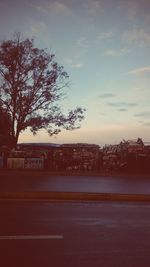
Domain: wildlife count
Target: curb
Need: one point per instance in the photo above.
(78, 196)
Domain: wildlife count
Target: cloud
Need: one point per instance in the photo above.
(55, 7)
(121, 104)
(138, 37)
(107, 95)
(58, 7)
(103, 36)
(72, 63)
(38, 28)
(68, 60)
(81, 48)
(116, 53)
(93, 7)
(122, 109)
(39, 8)
(130, 8)
(143, 114)
(77, 65)
(140, 71)
(82, 43)
(147, 20)
(146, 124)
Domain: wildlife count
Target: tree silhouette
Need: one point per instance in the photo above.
(5, 128)
(31, 85)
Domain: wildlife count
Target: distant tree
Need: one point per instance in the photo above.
(5, 128)
(140, 141)
(31, 85)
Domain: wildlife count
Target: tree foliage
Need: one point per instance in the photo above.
(31, 87)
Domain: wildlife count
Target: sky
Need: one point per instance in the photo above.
(104, 45)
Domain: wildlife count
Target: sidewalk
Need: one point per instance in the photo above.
(41, 185)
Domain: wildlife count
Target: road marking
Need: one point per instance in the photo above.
(30, 237)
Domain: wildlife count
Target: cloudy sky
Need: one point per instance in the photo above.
(104, 46)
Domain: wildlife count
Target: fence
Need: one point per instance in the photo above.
(25, 163)
(1, 162)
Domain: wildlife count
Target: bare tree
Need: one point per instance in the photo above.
(31, 85)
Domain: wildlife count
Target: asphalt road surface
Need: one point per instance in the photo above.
(73, 234)
(11, 181)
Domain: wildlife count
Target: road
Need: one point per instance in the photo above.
(74, 234)
(19, 181)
